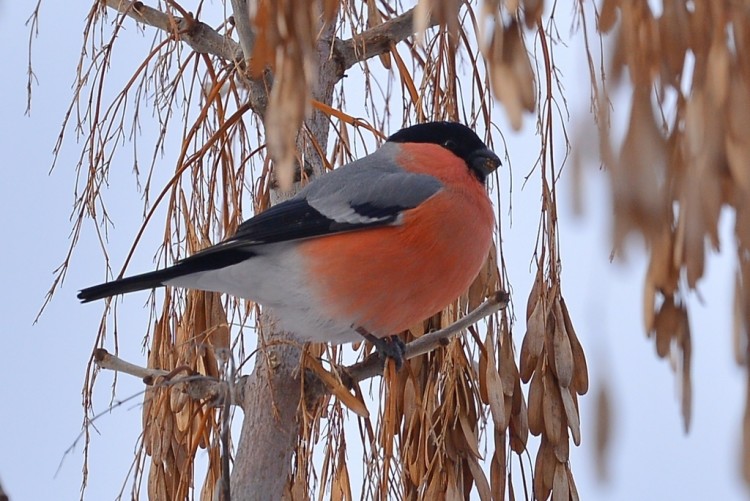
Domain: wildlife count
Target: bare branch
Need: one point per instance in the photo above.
(197, 386)
(224, 486)
(429, 342)
(106, 360)
(33, 23)
(202, 39)
(244, 29)
(377, 40)
(198, 35)
(373, 365)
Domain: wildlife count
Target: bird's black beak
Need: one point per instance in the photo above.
(483, 163)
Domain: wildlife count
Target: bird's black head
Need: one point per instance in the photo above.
(458, 139)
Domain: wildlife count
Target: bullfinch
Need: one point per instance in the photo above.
(367, 250)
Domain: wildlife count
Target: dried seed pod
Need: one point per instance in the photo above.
(563, 353)
(580, 382)
(552, 409)
(608, 15)
(508, 369)
(482, 373)
(603, 435)
(536, 411)
(497, 469)
(533, 342)
(166, 435)
(519, 429)
(183, 418)
(532, 12)
(562, 448)
(737, 143)
(674, 39)
(496, 400)
(544, 470)
(560, 487)
(572, 485)
(157, 488)
(666, 325)
(571, 414)
(535, 293)
(511, 73)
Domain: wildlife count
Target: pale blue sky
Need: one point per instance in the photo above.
(42, 366)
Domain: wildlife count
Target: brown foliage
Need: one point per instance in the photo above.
(673, 174)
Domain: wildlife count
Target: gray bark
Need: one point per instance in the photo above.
(263, 463)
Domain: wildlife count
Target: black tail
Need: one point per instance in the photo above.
(213, 258)
(129, 284)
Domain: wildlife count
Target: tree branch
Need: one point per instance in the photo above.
(373, 365)
(198, 35)
(106, 360)
(203, 39)
(377, 40)
(244, 29)
(197, 386)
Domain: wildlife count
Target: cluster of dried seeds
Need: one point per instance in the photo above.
(552, 359)
(175, 425)
(286, 37)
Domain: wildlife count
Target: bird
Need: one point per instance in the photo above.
(364, 251)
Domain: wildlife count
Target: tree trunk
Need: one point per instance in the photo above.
(262, 466)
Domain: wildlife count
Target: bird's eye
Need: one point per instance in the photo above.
(450, 144)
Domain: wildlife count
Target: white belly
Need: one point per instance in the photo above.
(275, 278)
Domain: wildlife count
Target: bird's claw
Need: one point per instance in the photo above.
(392, 347)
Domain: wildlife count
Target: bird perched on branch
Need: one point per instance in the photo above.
(366, 251)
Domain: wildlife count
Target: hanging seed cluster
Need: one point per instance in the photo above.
(553, 361)
(286, 37)
(684, 157)
(512, 77)
(175, 425)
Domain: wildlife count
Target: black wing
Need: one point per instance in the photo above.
(294, 219)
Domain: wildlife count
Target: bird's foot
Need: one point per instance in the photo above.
(392, 347)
